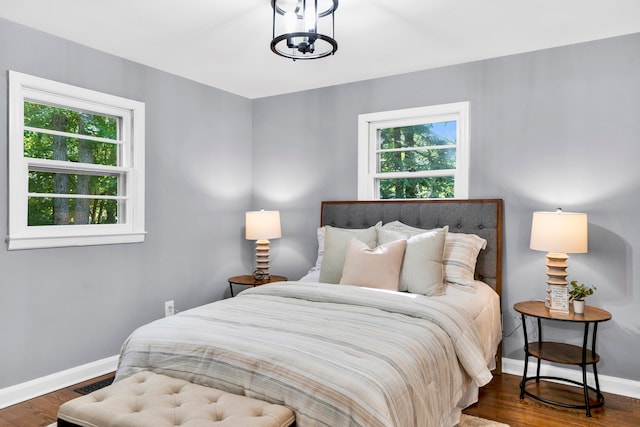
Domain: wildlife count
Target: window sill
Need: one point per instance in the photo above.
(19, 242)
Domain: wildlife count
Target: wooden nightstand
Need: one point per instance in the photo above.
(563, 353)
(248, 280)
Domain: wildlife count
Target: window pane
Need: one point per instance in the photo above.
(52, 147)
(63, 183)
(65, 120)
(66, 211)
(411, 161)
(432, 134)
(417, 188)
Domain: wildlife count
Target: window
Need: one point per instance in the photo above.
(417, 153)
(76, 166)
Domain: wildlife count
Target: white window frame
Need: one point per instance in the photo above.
(369, 126)
(130, 228)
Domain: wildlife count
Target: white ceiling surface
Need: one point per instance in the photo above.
(225, 44)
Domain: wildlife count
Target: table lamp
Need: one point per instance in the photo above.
(261, 226)
(558, 233)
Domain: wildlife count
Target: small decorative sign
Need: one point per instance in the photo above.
(559, 298)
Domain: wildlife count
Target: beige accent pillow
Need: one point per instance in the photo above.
(460, 255)
(422, 269)
(336, 241)
(374, 268)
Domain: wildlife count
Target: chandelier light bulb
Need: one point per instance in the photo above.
(310, 17)
(290, 19)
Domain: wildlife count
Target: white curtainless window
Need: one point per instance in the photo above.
(416, 153)
(76, 166)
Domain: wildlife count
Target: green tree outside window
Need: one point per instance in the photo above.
(54, 133)
(426, 147)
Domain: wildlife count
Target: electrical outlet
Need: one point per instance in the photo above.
(169, 308)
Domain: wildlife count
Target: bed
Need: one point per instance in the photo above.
(350, 354)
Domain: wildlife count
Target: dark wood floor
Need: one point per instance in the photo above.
(41, 411)
(498, 401)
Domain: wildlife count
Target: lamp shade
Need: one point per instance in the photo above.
(561, 232)
(262, 225)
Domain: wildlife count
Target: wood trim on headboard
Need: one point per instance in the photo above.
(463, 216)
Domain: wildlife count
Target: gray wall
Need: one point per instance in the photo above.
(554, 128)
(66, 307)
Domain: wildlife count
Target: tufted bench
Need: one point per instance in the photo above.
(153, 400)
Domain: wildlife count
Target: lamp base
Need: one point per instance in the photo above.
(262, 258)
(557, 268)
(557, 294)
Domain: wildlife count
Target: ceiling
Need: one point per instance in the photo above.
(225, 44)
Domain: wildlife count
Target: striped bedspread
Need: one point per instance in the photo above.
(336, 355)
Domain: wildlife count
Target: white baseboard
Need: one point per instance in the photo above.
(34, 388)
(615, 385)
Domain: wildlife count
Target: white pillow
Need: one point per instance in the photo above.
(320, 235)
(374, 268)
(336, 241)
(422, 269)
(401, 227)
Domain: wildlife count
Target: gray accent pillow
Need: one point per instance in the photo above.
(422, 268)
(460, 254)
(336, 241)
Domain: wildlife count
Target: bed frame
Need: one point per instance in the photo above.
(476, 216)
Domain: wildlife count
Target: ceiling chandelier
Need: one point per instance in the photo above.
(300, 30)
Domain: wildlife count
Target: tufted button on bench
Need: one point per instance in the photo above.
(153, 400)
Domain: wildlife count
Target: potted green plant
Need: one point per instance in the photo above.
(578, 293)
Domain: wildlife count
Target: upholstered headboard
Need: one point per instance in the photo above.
(482, 217)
